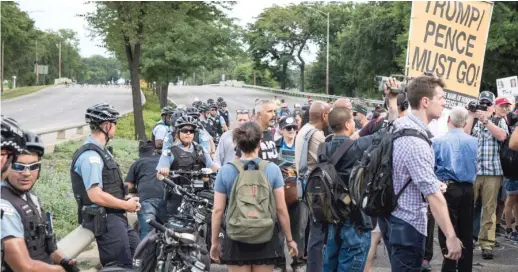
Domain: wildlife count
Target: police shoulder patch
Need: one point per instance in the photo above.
(6, 209)
(94, 159)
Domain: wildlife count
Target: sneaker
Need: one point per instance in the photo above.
(487, 254)
(497, 244)
(426, 267)
(500, 231)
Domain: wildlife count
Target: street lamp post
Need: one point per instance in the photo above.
(59, 59)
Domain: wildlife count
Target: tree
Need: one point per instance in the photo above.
(122, 27)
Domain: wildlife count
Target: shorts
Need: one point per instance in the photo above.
(511, 186)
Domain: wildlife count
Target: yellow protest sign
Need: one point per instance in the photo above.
(448, 38)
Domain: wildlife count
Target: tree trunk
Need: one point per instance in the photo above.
(134, 67)
(302, 66)
(163, 94)
(284, 81)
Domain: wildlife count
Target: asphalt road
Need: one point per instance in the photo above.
(236, 98)
(59, 106)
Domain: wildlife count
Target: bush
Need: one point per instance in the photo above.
(55, 188)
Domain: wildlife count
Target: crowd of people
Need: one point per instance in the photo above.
(267, 160)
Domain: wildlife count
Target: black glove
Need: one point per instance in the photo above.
(65, 263)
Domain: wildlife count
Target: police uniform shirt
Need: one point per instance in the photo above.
(90, 165)
(12, 225)
(221, 120)
(167, 157)
(204, 141)
(161, 131)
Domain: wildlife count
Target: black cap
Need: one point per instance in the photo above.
(361, 109)
(487, 95)
(287, 121)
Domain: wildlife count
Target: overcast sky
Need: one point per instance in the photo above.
(56, 14)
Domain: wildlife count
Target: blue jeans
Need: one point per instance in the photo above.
(153, 208)
(351, 254)
(405, 245)
(316, 243)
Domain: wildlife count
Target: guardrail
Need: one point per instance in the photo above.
(316, 96)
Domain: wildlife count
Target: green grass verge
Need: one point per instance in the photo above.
(22, 91)
(54, 187)
(151, 111)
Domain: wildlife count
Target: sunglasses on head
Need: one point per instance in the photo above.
(20, 167)
(187, 131)
(242, 111)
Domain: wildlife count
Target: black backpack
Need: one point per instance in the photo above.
(326, 193)
(371, 184)
(509, 157)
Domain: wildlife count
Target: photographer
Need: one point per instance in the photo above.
(490, 132)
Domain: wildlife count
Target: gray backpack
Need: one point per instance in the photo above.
(251, 213)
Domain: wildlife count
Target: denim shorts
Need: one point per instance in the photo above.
(511, 186)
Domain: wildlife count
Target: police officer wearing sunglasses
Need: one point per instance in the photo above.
(100, 193)
(28, 241)
(185, 154)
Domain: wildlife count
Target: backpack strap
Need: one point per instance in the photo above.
(262, 165)
(342, 149)
(303, 163)
(238, 165)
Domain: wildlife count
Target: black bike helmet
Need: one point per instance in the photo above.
(193, 112)
(223, 104)
(203, 108)
(197, 104)
(210, 101)
(176, 115)
(219, 99)
(186, 121)
(12, 136)
(213, 106)
(99, 113)
(34, 143)
(166, 110)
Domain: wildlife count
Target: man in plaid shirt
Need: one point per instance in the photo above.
(491, 133)
(405, 230)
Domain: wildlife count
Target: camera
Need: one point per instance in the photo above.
(473, 106)
(401, 79)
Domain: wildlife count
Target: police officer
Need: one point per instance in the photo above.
(27, 238)
(205, 119)
(162, 127)
(218, 120)
(99, 190)
(202, 136)
(168, 140)
(185, 155)
(223, 112)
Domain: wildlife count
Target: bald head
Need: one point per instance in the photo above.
(317, 110)
(343, 103)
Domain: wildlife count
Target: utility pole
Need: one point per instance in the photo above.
(59, 59)
(37, 66)
(193, 79)
(2, 73)
(327, 57)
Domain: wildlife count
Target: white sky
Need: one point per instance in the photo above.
(56, 14)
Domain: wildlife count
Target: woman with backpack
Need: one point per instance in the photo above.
(256, 211)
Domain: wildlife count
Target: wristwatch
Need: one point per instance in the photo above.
(485, 122)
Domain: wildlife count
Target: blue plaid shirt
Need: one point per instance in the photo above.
(413, 158)
(488, 155)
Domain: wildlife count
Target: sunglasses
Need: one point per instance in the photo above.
(242, 111)
(290, 128)
(20, 167)
(187, 131)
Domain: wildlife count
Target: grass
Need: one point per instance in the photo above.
(151, 112)
(22, 91)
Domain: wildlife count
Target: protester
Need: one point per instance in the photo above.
(141, 180)
(265, 118)
(490, 132)
(240, 255)
(360, 116)
(349, 251)
(226, 150)
(456, 166)
(405, 230)
(318, 120)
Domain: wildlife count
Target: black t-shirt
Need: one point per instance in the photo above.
(142, 174)
(268, 149)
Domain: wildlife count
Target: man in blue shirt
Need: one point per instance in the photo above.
(99, 190)
(456, 166)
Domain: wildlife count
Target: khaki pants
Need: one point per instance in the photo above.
(487, 187)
